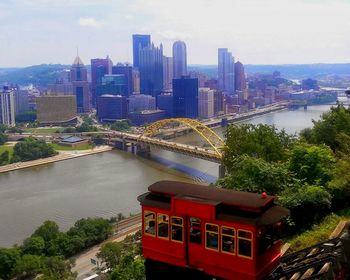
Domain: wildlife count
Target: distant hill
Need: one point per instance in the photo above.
(39, 75)
(44, 74)
(289, 71)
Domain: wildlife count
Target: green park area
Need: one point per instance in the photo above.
(8, 148)
(43, 130)
(82, 147)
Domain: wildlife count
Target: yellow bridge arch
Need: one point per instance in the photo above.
(202, 130)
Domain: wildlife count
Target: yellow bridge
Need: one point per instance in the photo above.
(148, 138)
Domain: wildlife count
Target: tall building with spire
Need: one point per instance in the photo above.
(226, 71)
(139, 41)
(179, 59)
(80, 84)
(151, 70)
(99, 68)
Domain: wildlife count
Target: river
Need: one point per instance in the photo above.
(106, 184)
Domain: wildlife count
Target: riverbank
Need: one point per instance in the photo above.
(62, 155)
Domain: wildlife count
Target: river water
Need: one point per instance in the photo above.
(106, 184)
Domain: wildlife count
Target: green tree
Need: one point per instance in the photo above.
(312, 164)
(4, 158)
(31, 149)
(260, 141)
(34, 245)
(110, 254)
(332, 123)
(85, 127)
(91, 230)
(69, 245)
(339, 187)
(3, 138)
(8, 261)
(123, 125)
(49, 232)
(28, 266)
(301, 200)
(131, 267)
(56, 268)
(256, 175)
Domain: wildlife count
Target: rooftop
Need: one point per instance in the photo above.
(248, 201)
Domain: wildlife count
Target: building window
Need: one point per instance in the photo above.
(195, 231)
(177, 229)
(228, 240)
(212, 237)
(163, 226)
(150, 223)
(245, 244)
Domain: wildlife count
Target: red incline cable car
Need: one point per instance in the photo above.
(198, 232)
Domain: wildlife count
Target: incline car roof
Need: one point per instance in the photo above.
(227, 197)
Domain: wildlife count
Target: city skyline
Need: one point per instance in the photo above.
(257, 32)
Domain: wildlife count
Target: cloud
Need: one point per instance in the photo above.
(174, 35)
(90, 22)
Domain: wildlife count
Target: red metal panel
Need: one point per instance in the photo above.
(194, 209)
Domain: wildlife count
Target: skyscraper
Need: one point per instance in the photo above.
(111, 107)
(78, 76)
(240, 80)
(167, 73)
(7, 107)
(179, 59)
(125, 70)
(206, 103)
(151, 70)
(185, 97)
(114, 84)
(99, 68)
(226, 71)
(139, 42)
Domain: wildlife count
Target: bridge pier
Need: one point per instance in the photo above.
(133, 148)
(222, 171)
(143, 149)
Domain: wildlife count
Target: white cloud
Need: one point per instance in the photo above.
(174, 35)
(90, 22)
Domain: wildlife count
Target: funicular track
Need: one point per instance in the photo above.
(316, 262)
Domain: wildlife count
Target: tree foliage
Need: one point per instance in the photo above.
(123, 125)
(327, 129)
(4, 158)
(256, 175)
(3, 138)
(260, 141)
(110, 254)
(8, 261)
(312, 164)
(31, 149)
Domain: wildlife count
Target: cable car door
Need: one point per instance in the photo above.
(195, 241)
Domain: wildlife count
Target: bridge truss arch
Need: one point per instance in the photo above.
(206, 133)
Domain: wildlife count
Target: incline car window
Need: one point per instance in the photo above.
(177, 229)
(195, 230)
(163, 226)
(228, 240)
(245, 248)
(212, 237)
(150, 222)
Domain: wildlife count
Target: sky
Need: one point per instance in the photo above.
(255, 31)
